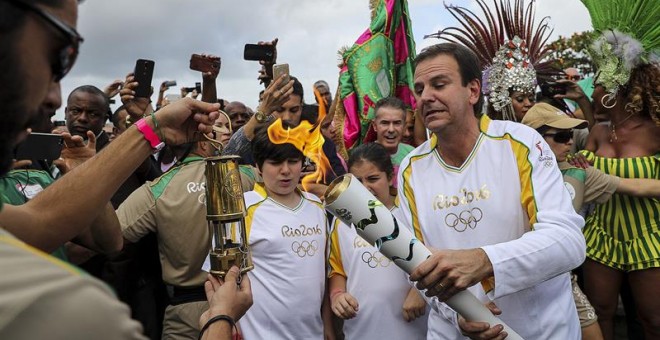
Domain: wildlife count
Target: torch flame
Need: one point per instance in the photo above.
(307, 138)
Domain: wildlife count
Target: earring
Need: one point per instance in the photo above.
(610, 97)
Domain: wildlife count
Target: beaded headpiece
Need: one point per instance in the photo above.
(511, 70)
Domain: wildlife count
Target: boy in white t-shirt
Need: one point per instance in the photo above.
(286, 231)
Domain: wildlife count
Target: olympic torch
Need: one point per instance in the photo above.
(348, 200)
(225, 215)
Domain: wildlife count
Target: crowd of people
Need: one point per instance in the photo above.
(542, 204)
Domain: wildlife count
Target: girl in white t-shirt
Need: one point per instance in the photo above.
(367, 290)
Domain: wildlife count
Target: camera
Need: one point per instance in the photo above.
(550, 89)
(198, 87)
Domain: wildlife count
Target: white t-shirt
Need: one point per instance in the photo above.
(508, 198)
(288, 279)
(379, 286)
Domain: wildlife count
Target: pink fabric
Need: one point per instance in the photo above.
(364, 37)
(390, 8)
(352, 122)
(370, 136)
(395, 174)
(403, 92)
(400, 43)
(343, 162)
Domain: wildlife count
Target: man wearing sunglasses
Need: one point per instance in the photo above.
(40, 297)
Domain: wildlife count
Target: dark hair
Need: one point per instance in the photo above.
(91, 89)
(298, 89)
(263, 149)
(392, 102)
(310, 113)
(468, 65)
(374, 153)
(115, 115)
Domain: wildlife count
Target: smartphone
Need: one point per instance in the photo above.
(144, 72)
(204, 64)
(40, 146)
(550, 89)
(259, 52)
(169, 83)
(281, 69)
(198, 87)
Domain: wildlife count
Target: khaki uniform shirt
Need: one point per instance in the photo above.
(44, 298)
(174, 207)
(598, 186)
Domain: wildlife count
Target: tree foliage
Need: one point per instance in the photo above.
(573, 51)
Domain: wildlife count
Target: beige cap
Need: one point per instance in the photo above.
(545, 114)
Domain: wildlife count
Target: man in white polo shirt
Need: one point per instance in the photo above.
(489, 195)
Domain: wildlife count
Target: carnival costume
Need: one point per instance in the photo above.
(623, 233)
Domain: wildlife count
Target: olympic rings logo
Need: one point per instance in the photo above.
(373, 261)
(304, 248)
(466, 218)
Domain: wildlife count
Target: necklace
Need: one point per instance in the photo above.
(613, 136)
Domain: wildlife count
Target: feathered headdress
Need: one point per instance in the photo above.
(511, 48)
(629, 36)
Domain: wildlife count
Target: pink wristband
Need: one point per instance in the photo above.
(149, 135)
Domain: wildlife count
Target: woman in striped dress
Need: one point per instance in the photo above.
(623, 234)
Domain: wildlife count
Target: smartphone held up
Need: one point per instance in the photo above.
(281, 70)
(550, 89)
(257, 52)
(143, 73)
(204, 64)
(40, 146)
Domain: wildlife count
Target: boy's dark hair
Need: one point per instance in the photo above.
(263, 149)
(374, 153)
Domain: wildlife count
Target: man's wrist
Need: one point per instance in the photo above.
(148, 127)
(487, 266)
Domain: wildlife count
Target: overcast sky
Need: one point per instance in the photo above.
(310, 31)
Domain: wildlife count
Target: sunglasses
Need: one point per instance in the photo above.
(574, 78)
(561, 137)
(68, 54)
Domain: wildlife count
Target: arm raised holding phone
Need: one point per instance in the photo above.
(276, 94)
(67, 207)
(209, 65)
